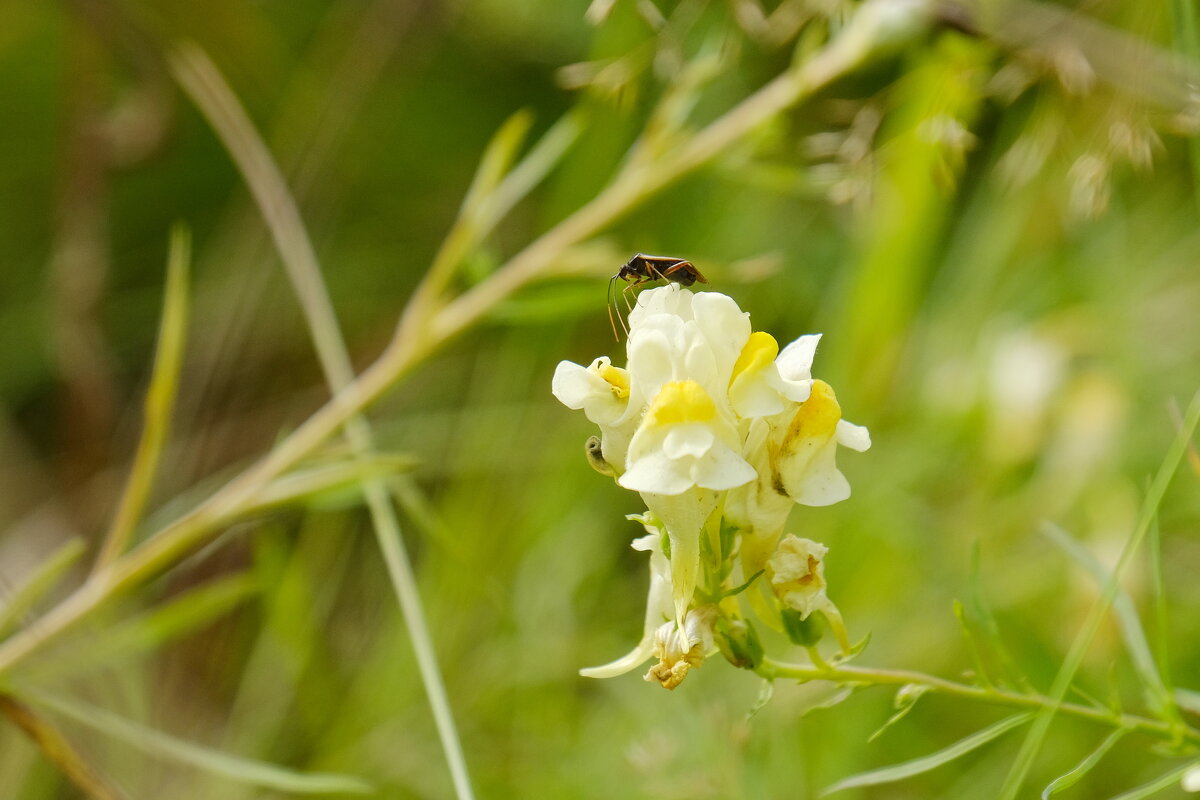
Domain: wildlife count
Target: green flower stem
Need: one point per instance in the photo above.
(870, 676)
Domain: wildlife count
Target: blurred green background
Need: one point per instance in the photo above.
(997, 235)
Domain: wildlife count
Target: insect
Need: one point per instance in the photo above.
(644, 268)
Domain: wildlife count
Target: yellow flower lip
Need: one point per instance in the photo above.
(760, 351)
(818, 415)
(679, 402)
(617, 378)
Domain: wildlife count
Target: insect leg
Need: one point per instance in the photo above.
(627, 290)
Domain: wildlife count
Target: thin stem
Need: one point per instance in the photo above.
(160, 400)
(871, 676)
(57, 749)
(209, 90)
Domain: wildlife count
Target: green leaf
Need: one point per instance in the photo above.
(169, 748)
(150, 631)
(532, 169)
(906, 699)
(329, 484)
(1127, 618)
(1083, 640)
(765, 692)
(925, 764)
(1069, 779)
(497, 158)
(829, 698)
(744, 586)
(1162, 634)
(45, 577)
(1165, 781)
(160, 398)
(842, 658)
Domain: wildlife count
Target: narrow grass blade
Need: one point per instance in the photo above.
(45, 576)
(932, 761)
(58, 750)
(989, 628)
(241, 770)
(160, 398)
(968, 632)
(497, 159)
(493, 193)
(1066, 674)
(1164, 781)
(1162, 630)
(1188, 700)
(1069, 779)
(150, 631)
(531, 170)
(309, 485)
(1127, 620)
(207, 88)
(906, 700)
(765, 692)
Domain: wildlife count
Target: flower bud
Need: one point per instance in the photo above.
(739, 643)
(801, 629)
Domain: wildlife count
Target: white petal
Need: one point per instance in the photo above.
(573, 385)
(701, 363)
(683, 515)
(582, 388)
(630, 661)
(657, 473)
(722, 469)
(795, 390)
(754, 396)
(822, 483)
(856, 437)
(614, 444)
(652, 358)
(691, 440)
(650, 543)
(724, 324)
(672, 300)
(795, 361)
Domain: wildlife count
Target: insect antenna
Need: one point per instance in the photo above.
(611, 303)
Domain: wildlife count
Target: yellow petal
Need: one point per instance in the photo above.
(760, 351)
(681, 401)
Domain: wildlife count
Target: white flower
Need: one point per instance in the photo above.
(658, 608)
(765, 380)
(710, 423)
(601, 391)
(684, 452)
(680, 648)
(797, 574)
(794, 454)
(698, 338)
(684, 441)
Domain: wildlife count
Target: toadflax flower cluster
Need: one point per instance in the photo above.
(721, 433)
